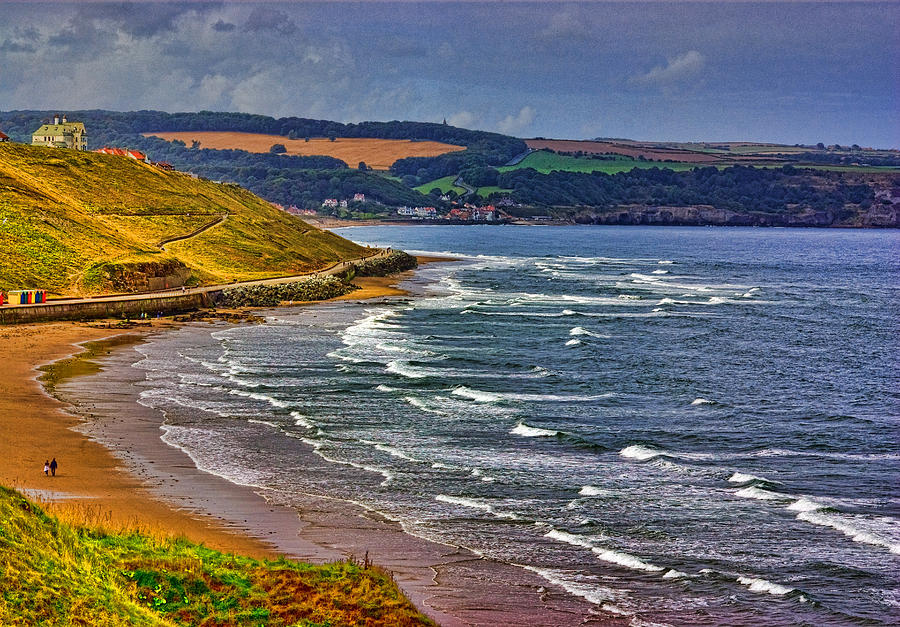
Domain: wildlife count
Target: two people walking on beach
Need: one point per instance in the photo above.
(50, 467)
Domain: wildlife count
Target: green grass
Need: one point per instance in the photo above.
(544, 161)
(58, 573)
(484, 192)
(63, 213)
(445, 184)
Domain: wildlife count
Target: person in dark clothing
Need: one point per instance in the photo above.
(53, 466)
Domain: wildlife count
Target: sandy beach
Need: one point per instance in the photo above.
(112, 458)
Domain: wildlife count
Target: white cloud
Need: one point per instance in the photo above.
(678, 68)
(462, 119)
(513, 124)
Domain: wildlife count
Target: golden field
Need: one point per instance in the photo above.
(378, 154)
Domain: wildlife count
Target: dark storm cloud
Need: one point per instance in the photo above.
(269, 19)
(14, 46)
(222, 26)
(778, 71)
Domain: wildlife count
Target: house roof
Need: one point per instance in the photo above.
(60, 129)
(3, 135)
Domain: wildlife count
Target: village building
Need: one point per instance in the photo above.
(359, 198)
(137, 155)
(3, 137)
(61, 134)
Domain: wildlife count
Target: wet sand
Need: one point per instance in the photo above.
(111, 456)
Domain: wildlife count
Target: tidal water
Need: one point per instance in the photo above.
(683, 426)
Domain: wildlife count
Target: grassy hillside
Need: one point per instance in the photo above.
(67, 218)
(61, 574)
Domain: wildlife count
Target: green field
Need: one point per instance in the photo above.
(484, 192)
(445, 184)
(544, 161)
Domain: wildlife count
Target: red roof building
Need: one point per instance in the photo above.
(4, 137)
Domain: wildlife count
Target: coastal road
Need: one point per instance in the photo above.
(336, 268)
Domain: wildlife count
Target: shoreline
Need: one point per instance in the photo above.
(112, 456)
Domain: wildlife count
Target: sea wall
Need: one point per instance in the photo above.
(108, 308)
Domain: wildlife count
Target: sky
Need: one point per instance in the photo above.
(789, 72)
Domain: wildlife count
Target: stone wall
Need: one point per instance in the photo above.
(107, 308)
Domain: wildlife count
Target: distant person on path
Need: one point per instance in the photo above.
(47, 467)
(53, 466)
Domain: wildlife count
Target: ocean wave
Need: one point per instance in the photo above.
(665, 262)
(274, 402)
(674, 574)
(263, 422)
(569, 538)
(740, 477)
(853, 531)
(607, 555)
(660, 272)
(395, 452)
(573, 342)
(752, 492)
(589, 490)
(301, 421)
(577, 585)
(625, 559)
(583, 331)
(483, 396)
(385, 388)
(528, 431)
(777, 452)
(702, 401)
(763, 585)
(478, 504)
(641, 453)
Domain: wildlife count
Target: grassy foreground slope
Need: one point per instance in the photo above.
(67, 218)
(55, 573)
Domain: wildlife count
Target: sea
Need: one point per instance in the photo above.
(684, 426)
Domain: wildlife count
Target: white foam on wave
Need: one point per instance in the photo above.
(263, 422)
(569, 538)
(752, 492)
(626, 560)
(583, 331)
(474, 504)
(674, 574)
(763, 585)
(665, 262)
(778, 452)
(702, 401)
(528, 431)
(589, 490)
(405, 369)
(740, 477)
(804, 504)
(261, 397)
(385, 388)
(577, 585)
(628, 297)
(607, 555)
(849, 529)
(483, 396)
(573, 342)
(301, 421)
(641, 453)
(660, 272)
(395, 452)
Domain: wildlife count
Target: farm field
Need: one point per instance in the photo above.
(628, 149)
(544, 162)
(377, 154)
(445, 184)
